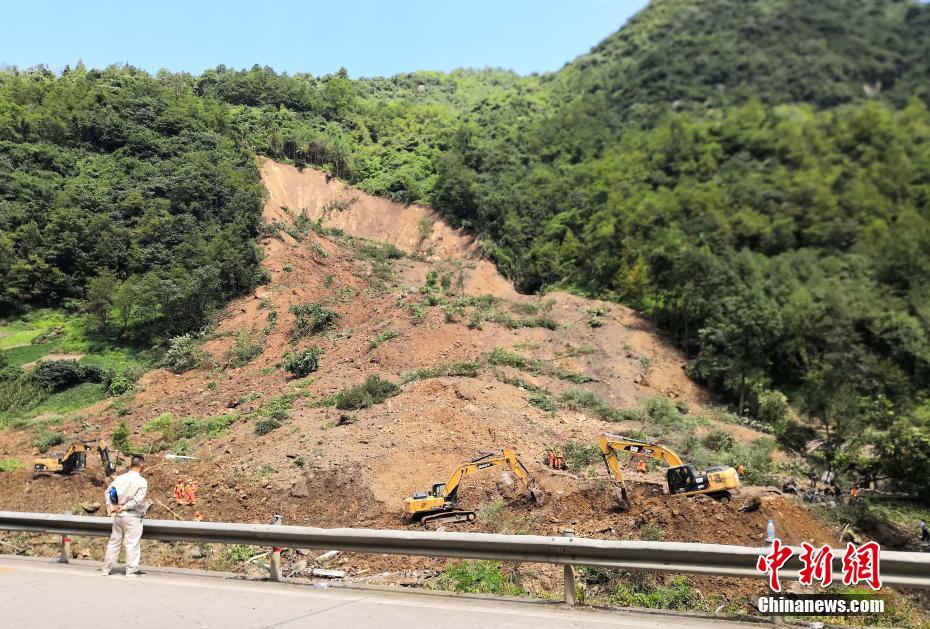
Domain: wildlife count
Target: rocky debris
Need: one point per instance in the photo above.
(194, 552)
(298, 567)
(91, 507)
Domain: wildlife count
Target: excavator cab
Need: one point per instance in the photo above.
(716, 482)
(438, 489)
(683, 479)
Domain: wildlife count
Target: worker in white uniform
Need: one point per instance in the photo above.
(127, 504)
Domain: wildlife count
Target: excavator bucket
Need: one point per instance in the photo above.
(539, 496)
(623, 498)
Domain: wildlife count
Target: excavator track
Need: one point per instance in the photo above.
(449, 517)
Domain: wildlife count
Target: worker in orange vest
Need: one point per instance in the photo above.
(191, 491)
(641, 467)
(551, 457)
(559, 460)
(179, 491)
(741, 470)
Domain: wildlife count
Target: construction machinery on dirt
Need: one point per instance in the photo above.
(439, 503)
(75, 459)
(683, 479)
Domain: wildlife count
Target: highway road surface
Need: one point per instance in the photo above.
(41, 593)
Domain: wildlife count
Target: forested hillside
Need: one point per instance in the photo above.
(754, 176)
(117, 183)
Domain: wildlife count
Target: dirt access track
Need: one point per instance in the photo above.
(327, 467)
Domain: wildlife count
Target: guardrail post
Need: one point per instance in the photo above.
(274, 567)
(65, 549)
(770, 539)
(569, 575)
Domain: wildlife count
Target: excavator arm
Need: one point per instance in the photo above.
(610, 445)
(505, 457)
(109, 468)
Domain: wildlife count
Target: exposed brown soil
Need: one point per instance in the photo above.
(51, 357)
(315, 472)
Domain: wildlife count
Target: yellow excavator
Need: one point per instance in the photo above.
(75, 459)
(683, 479)
(440, 501)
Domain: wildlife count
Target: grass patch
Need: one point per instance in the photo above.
(277, 407)
(72, 399)
(642, 590)
(118, 361)
(577, 399)
(461, 368)
(520, 383)
(373, 391)
(543, 402)
(386, 335)
(19, 356)
(491, 512)
(378, 251)
(178, 434)
(47, 440)
(485, 577)
(571, 351)
(10, 465)
(17, 335)
(503, 358)
(247, 346)
(905, 513)
(311, 319)
(248, 397)
(228, 557)
(266, 425)
(18, 396)
(650, 533)
(572, 376)
(579, 455)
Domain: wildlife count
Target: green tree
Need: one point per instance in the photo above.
(101, 291)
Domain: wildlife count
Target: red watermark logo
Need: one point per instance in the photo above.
(860, 564)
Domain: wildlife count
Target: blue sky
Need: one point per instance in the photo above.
(368, 37)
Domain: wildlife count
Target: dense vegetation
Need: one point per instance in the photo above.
(122, 189)
(754, 176)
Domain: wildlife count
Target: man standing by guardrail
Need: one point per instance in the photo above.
(125, 498)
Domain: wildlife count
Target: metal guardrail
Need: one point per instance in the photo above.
(911, 570)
